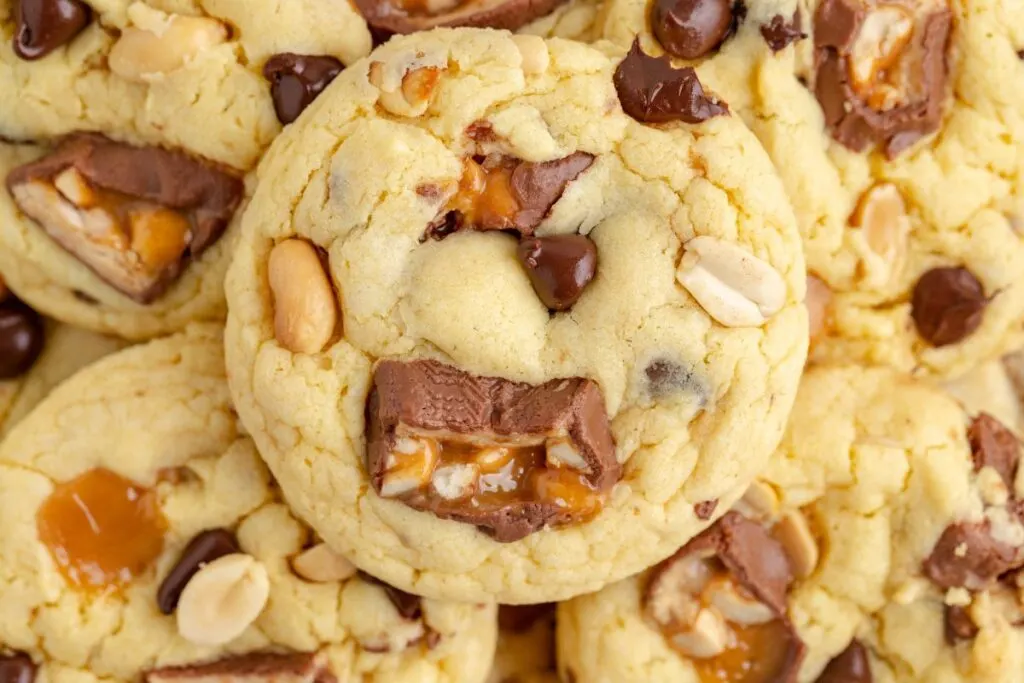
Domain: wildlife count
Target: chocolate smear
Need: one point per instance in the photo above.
(297, 80)
(651, 90)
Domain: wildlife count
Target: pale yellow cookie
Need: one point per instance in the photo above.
(145, 540)
(526, 645)
(627, 338)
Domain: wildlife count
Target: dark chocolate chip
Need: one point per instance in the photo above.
(651, 90)
(409, 606)
(520, 618)
(537, 186)
(781, 32)
(967, 556)
(560, 267)
(387, 17)
(206, 547)
(17, 667)
(995, 446)
(21, 338)
(947, 305)
(691, 29)
(253, 667)
(959, 625)
(151, 178)
(705, 509)
(849, 666)
(1020, 54)
(297, 80)
(45, 25)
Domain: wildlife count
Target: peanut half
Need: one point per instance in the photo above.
(305, 310)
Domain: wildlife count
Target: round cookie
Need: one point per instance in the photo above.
(125, 226)
(145, 540)
(884, 543)
(903, 161)
(507, 269)
(991, 388)
(526, 645)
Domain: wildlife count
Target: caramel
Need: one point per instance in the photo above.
(756, 655)
(101, 529)
(484, 198)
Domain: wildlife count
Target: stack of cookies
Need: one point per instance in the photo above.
(511, 341)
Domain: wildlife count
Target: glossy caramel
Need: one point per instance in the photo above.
(484, 197)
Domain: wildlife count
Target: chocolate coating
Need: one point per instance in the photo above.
(690, 29)
(560, 267)
(651, 90)
(206, 547)
(22, 336)
(45, 25)
(297, 80)
(948, 304)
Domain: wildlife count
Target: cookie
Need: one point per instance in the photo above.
(145, 540)
(991, 388)
(903, 159)
(884, 543)
(526, 645)
(479, 323)
(135, 127)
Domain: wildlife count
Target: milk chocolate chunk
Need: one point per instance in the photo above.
(506, 457)
(720, 600)
(206, 547)
(995, 446)
(881, 70)
(968, 556)
(17, 667)
(387, 17)
(536, 186)
(849, 666)
(560, 267)
(651, 90)
(780, 32)
(958, 624)
(705, 509)
(42, 26)
(135, 216)
(22, 336)
(297, 80)
(255, 667)
(948, 304)
(691, 29)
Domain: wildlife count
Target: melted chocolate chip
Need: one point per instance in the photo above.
(409, 606)
(995, 446)
(705, 509)
(297, 80)
(967, 556)
(17, 667)
(948, 305)
(206, 547)
(520, 618)
(21, 338)
(651, 90)
(560, 267)
(959, 625)
(780, 32)
(690, 29)
(849, 666)
(45, 25)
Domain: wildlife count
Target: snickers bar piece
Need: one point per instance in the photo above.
(135, 216)
(721, 601)
(254, 667)
(388, 17)
(507, 457)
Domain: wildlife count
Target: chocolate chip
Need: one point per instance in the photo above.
(537, 186)
(849, 666)
(947, 305)
(560, 267)
(520, 618)
(45, 25)
(852, 114)
(409, 606)
(21, 338)
(995, 446)
(780, 32)
(387, 17)
(705, 509)
(651, 90)
(297, 80)
(17, 667)
(691, 29)
(967, 556)
(172, 205)
(254, 667)
(959, 625)
(420, 399)
(206, 547)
